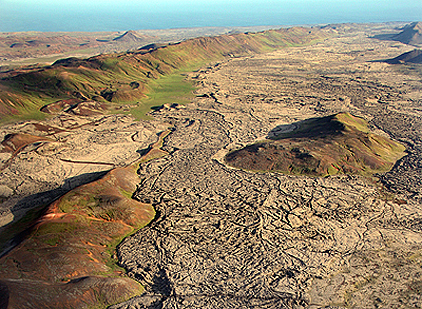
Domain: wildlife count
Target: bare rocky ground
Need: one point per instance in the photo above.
(226, 238)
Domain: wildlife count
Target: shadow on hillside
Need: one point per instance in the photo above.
(384, 37)
(4, 296)
(37, 201)
(308, 128)
(47, 197)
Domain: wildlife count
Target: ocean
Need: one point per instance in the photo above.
(119, 15)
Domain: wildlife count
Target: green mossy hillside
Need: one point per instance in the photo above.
(126, 78)
(66, 258)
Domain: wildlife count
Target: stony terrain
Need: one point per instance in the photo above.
(71, 242)
(226, 238)
(77, 151)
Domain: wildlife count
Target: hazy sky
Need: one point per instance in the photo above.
(95, 15)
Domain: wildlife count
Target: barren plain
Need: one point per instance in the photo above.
(229, 238)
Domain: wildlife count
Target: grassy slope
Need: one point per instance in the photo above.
(76, 239)
(66, 259)
(338, 144)
(171, 88)
(127, 77)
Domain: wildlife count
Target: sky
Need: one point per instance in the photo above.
(119, 15)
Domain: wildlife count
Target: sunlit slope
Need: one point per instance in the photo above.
(66, 255)
(337, 144)
(124, 77)
(65, 261)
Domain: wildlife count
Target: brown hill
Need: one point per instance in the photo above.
(22, 45)
(129, 36)
(67, 252)
(337, 144)
(414, 56)
(411, 34)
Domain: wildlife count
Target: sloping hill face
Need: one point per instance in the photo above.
(66, 255)
(414, 56)
(111, 77)
(411, 34)
(337, 144)
(31, 44)
(69, 249)
(129, 36)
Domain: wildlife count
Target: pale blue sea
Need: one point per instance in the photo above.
(117, 15)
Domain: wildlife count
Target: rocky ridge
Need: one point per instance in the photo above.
(69, 249)
(414, 56)
(411, 34)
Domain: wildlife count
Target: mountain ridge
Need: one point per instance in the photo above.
(411, 34)
(108, 77)
(414, 56)
(69, 245)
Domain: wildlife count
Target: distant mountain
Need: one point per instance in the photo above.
(411, 34)
(414, 56)
(129, 36)
(31, 45)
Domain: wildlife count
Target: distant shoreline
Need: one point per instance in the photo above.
(99, 16)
